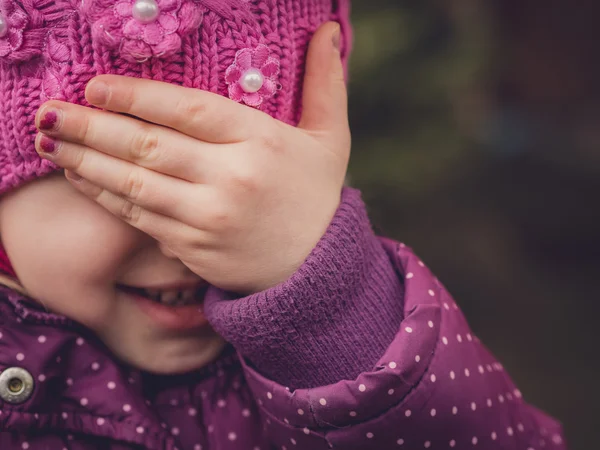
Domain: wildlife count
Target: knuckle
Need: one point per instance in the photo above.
(272, 142)
(144, 145)
(244, 180)
(84, 131)
(132, 186)
(189, 109)
(220, 219)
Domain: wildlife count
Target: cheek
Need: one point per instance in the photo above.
(67, 250)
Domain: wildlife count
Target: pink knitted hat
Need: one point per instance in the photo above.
(252, 51)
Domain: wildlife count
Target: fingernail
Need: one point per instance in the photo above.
(47, 144)
(49, 120)
(97, 93)
(336, 38)
(73, 176)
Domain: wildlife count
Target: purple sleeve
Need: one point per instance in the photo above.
(333, 319)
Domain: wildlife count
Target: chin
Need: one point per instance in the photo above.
(175, 359)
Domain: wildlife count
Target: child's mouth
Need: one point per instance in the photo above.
(168, 297)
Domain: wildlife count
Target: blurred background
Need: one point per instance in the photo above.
(477, 142)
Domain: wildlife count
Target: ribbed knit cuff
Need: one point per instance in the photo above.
(333, 319)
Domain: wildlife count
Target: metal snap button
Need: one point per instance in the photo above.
(16, 385)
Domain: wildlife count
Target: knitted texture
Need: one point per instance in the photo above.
(50, 49)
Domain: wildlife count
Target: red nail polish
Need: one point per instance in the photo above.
(47, 144)
(49, 120)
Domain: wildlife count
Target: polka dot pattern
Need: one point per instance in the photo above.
(435, 387)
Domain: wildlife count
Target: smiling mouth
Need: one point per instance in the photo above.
(169, 297)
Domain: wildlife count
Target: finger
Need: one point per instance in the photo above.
(151, 146)
(164, 229)
(199, 114)
(325, 98)
(144, 188)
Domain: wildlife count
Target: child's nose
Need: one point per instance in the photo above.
(166, 251)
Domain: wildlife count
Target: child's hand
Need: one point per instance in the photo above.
(239, 197)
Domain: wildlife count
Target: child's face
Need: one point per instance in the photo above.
(69, 254)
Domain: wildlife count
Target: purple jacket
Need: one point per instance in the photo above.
(362, 348)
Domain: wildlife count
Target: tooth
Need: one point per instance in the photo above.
(189, 295)
(169, 297)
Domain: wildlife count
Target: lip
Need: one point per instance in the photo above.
(180, 318)
(177, 285)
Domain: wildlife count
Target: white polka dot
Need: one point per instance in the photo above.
(431, 292)
(323, 402)
(400, 442)
(489, 402)
(221, 403)
(83, 401)
(41, 339)
(452, 375)
(467, 373)
(64, 415)
(175, 431)
(352, 413)
(193, 411)
(392, 365)
(391, 392)
(469, 337)
(454, 410)
(111, 385)
(20, 356)
(306, 431)
(100, 421)
(300, 412)
(79, 341)
(430, 323)
(95, 366)
(370, 435)
(445, 340)
(473, 406)
(518, 393)
(42, 377)
(520, 427)
(408, 413)
(433, 412)
(446, 306)
(427, 444)
(173, 402)
(269, 396)
(417, 358)
(459, 338)
(494, 436)
(420, 263)
(488, 367)
(197, 447)
(409, 329)
(474, 440)
(25, 445)
(140, 430)
(126, 407)
(433, 378)
(509, 396)
(501, 398)
(362, 388)
(452, 443)
(409, 275)
(510, 431)
(211, 428)
(1, 335)
(69, 381)
(481, 370)
(293, 441)
(557, 439)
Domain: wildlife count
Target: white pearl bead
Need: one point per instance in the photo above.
(3, 26)
(252, 81)
(146, 11)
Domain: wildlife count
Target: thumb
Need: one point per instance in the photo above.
(325, 98)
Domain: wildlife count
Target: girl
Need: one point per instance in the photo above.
(198, 277)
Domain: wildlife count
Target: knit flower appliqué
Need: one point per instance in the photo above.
(142, 29)
(12, 25)
(252, 78)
